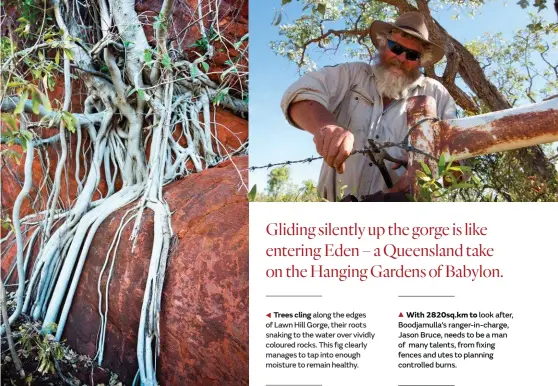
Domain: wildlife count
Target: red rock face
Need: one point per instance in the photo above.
(44, 163)
(204, 317)
(232, 25)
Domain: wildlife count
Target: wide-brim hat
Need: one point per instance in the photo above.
(411, 23)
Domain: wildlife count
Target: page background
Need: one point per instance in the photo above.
(524, 238)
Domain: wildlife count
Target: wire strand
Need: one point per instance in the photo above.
(380, 145)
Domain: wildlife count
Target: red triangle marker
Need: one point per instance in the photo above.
(401, 314)
(269, 315)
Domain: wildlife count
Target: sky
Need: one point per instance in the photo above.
(272, 139)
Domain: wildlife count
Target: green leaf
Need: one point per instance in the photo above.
(205, 66)
(239, 43)
(141, 93)
(6, 224)
(285, 2)
(57, 58)
(220, 95)
(70, 121)
(36, 99)
(51, 83)
(321, 8)
(26, 134)
(148, 57)
(69, 53)
(193, 71)
(10, 120)
(166, 61)
(278, 17)
(45, 101)
(252, 194)
(16, 84)
(461, 168)
(21, 104)
(426, 168)
(13, 155)
(159, 22)
(422, 176)
(441, 164)
(50, 328)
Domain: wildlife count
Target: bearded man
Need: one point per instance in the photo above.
(345, 105)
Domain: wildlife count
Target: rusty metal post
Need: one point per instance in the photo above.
(418, 109)
(464, 138)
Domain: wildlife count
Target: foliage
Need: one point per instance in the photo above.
(521, 68)
(319, 16)
(281, 188)
(277, 180)
(48, 351)
(44, 359)
(503, 177)
(449, 177)
(539, 4)
(39, 65)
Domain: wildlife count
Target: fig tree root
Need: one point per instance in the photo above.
(147, 98)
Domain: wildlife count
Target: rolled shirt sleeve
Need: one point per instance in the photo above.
(327, 86)
(448, 109)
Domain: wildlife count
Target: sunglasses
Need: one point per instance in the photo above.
(398, 49)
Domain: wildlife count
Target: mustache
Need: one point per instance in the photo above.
(395, 63)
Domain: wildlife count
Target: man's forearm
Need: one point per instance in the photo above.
(333, 142)
(311, 116)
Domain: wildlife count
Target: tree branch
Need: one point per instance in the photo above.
(36, 141)
(462, 99)
(401, 5)
(452, 66)
(9, 104)
(94, 73)
(340, 33)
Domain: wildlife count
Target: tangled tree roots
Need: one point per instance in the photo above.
(147, 100)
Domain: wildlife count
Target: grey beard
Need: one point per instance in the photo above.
(392, 85)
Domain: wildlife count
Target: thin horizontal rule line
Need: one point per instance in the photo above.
(426, 296)
(293, 296)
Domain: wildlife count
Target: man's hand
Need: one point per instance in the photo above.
(403, 184)
(335, 144)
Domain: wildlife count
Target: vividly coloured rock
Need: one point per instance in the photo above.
(204, 316)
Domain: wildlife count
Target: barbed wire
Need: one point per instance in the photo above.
(404, 144)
